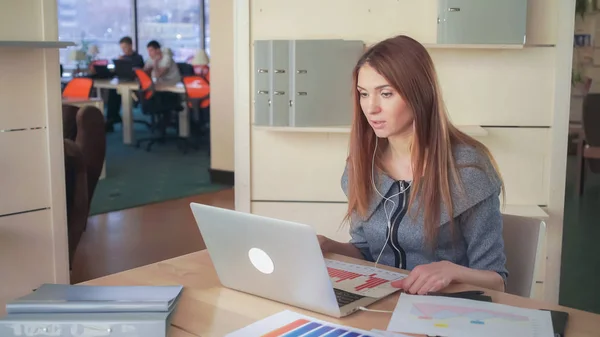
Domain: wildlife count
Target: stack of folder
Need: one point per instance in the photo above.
(86, 310)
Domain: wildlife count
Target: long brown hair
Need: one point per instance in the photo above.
(409, 69)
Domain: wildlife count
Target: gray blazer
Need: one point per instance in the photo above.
(478, 242)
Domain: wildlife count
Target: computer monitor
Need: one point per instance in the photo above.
(124, 70)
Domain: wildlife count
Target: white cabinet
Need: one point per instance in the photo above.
(33, 221)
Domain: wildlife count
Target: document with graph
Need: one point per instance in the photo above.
(291, 324)
(362, 280)
(447, 316)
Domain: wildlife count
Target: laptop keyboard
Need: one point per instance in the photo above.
(344, 297)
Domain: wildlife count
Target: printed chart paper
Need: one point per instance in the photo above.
(447, 316)
(362, 280)
(389, 333)
(290, 324)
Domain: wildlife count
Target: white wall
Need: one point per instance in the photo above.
(221, 84)
(520, 97)
(33, 226)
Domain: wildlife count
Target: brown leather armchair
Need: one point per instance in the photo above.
(85, 149)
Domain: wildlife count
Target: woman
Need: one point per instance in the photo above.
(422, 195)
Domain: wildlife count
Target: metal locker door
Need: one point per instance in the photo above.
(280, 99)
(262, 83)
(322, 81)
(482, 21)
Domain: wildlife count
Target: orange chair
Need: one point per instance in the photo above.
(197, 92)
(145, 82)
(79, 87)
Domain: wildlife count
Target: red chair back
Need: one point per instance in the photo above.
(145, 82)
(197, 89)
(79, 87)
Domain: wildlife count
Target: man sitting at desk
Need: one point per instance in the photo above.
(114, 99)
(161, 66)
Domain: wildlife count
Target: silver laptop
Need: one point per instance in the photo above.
(274, 259)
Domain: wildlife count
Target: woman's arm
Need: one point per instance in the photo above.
(436, 276)
(481, 227)
(482, 278)
(331, 246)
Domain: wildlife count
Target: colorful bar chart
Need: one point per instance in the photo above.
(448, 316)
(362, 280)
(304, 328)
(372, 282)
(290, 324)
(342, 275)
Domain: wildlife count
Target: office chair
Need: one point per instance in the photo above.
(523, 241)
(197, 92)
(79, 87)
(161, 106)
(185, 69)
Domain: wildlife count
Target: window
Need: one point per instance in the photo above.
(87, 22)
(182, 25)
(175, 24)
(206, 27)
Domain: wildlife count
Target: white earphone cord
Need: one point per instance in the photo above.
(388, 216)
(373, 310)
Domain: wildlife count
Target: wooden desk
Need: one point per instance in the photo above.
(125, 89)
(207, 309)
(80, 102)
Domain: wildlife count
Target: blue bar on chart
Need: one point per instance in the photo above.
(312, 329)
(353, 334)
(302, 330)
(337, 333)
(319, 332)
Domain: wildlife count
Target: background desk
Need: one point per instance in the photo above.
(207, 309)
(126, 89)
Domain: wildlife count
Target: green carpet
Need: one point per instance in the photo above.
(135, 177)
(580, 267)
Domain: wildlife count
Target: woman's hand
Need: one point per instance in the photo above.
(428, 278)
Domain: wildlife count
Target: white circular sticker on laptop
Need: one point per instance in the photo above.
(261, 261)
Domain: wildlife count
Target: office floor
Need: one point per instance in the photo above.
(135, 177)
(130, 238)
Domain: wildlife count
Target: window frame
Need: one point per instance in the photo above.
(134, 22)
